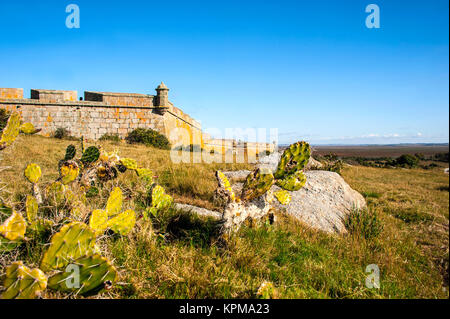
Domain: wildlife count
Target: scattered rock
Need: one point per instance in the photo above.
(313, 164)
(324, 202)
(237, 176)
(198, 210)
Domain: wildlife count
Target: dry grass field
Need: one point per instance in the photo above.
(178, 256)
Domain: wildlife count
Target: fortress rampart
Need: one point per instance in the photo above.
(102, 113)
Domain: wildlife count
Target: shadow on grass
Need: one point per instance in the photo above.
(193, 230)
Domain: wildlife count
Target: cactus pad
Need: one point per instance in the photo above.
(293, 159)
(129, 163)
(31, 209)
(256, 184)
(123, 223)
(68, 172)
(28, 128)
(71, 151)
(21, 282)
(56, 193)
(90, 155)
(11, 130)
(115, 200)
(14, 227)
(145, 174)
(283, 196)
(33, 173)
(96, 273)
(160, 200)
(71, 242)
(99, 221)
(292, 182)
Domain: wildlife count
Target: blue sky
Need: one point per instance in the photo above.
(309, 68)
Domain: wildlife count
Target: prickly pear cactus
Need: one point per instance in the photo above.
(28, 129)
(73, 241)
(71, 151)
(293, 159)
(87, 276)
(56, 193)
(21, 282)
(68, 172)
(283, 196)
(99, 221)
(292, 182)
(32, 209)
(145, 174)
(115, 201)
(122, 223)
(256, 184)
(33, 173)
(14, 227)
(11, 131)
(289, 174)
(90, 155)
(159, 200)
(129, 163)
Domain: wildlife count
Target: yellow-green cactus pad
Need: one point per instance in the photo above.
(56, 193)
(28, 128)
(294, 159)
(161, 200)
(146, 174)
(33, 173)
(115, 200)
(71, 242)
(123, 223)
(88, 276)
(14, 227)
(292, 182)
(225, 184)
(21, 282)
(283, 196)
(11, 131)
(31, 209)
(8, 245)
(69, 172)
(129, 163)
(266, 291)
(99, 221)
(256, 184)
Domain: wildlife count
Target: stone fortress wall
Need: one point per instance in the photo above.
(102, 113)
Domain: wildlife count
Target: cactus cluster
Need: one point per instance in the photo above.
(71, 262)
(11, 131)
(256, 196)
(21, 282)
(112, 217)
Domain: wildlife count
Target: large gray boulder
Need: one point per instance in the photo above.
(324, 202)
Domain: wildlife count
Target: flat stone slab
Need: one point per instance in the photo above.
(324, 202)
(198, 210)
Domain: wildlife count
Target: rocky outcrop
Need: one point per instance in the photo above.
(324, 202)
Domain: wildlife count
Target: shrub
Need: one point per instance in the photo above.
(110, 137)
(148, 137)
(364, 223)
(61, 133)
(4, 116)
(407, 160)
